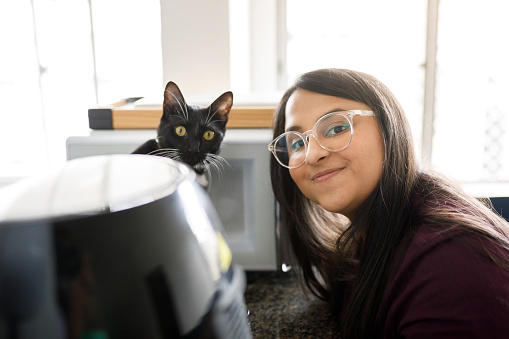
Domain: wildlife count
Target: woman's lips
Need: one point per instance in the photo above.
(325, 175)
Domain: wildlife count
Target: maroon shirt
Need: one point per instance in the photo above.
(446, 288)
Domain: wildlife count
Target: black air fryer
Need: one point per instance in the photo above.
(119, 246)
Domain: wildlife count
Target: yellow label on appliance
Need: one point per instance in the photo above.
(225, 254)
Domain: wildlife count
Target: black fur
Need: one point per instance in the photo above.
(184, 130)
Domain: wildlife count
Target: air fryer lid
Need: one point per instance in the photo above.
(92, 185)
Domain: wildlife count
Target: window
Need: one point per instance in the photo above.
(394, 40)
(386, 39)
(67, 56)
(471, 128)
(60, 58)
(22, 134)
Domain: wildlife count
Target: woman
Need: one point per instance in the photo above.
(397, 251)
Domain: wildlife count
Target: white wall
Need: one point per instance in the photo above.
(211, 46)
(196, 45)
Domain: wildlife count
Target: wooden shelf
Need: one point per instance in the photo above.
(148, 118)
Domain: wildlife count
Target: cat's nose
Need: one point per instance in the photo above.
(194, 148)
(194, 156)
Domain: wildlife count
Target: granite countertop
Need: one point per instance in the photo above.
(279, 308)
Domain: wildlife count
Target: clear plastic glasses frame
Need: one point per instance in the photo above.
(332, 143)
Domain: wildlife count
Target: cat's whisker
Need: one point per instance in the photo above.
(209, 117)
(175, 157)
(183, 107)
(211, 122)
(164, 151)
(219, 160)
(170, 153)
(216, 169)
(168, 149)
(217, 165)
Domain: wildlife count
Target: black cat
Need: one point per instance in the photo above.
(190, 134)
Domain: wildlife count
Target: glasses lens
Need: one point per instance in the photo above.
(334, 132)
(290, 149)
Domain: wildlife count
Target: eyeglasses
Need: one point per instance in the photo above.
(333, 132)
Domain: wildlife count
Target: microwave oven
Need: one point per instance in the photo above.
(241, 192)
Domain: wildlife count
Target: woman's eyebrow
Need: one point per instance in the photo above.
(293, 128)
(298, 128)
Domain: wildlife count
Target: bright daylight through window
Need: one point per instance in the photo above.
(65, 57)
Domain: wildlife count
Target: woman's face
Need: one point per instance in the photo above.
(339, 181)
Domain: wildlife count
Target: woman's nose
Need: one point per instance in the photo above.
(315, 152)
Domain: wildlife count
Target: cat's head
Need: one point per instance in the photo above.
(192, 134)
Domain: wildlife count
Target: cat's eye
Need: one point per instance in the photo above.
(180, 130)
(208, 135)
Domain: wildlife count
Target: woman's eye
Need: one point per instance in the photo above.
(297, 145)
(337, 129)
(180, 131)
(208, 135)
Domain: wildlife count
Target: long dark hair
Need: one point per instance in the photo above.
(331, 251)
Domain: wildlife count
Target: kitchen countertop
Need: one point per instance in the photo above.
(279, 308)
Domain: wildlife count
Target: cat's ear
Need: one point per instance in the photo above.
(174, 103)
(222, 106)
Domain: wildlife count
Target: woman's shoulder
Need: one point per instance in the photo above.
(447, 282)
(456, 258)
(455, 244)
